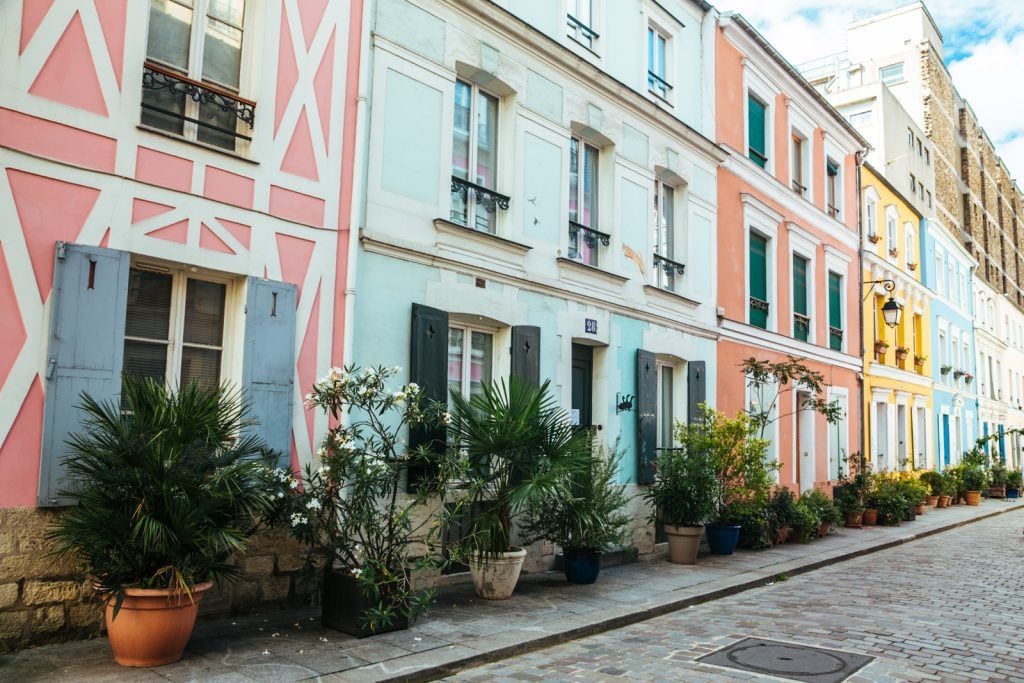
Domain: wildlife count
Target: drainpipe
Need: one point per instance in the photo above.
(861, 155)
(360, 162)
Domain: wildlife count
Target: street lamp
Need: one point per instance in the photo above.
(892, 310)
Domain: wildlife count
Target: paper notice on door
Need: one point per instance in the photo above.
(574, 417)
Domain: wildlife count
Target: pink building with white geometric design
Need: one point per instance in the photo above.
(175, 201)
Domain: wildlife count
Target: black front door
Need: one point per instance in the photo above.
(583, 382)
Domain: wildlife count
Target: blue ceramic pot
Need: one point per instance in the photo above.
(722, 538)
(582, 567)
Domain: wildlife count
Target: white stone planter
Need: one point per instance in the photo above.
(683, 543)
(496, 578)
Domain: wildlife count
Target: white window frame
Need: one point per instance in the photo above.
(675, 239)
(665, 74)
(909, 255)
(595, 220)
(800, 126)
(940, 272)
(834, 156)
(467, 350)
(841, 428)
(871, 201)
(893, 78)
(197, 43)
(761, 219)
(661, 364)
(579, 34)
(474, 145)
(838, 262)
(229, 369)
(804, 244)
(892, 219)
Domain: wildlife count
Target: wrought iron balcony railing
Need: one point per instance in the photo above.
(485, 197)
(801, 325)
(584, 241)
(759, 304)
(157, 78)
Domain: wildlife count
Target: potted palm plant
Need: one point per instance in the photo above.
(169, 486)
(682, 495)
(582, 515)
(513, 444)
(350, 511)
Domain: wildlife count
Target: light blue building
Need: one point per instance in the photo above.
(948, 273)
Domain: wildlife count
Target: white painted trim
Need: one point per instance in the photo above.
(804, 244)
(762, 219)
(732, 330)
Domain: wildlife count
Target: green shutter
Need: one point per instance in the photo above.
(800, 325)
(835, 311)
(757, 149)
(758, 279)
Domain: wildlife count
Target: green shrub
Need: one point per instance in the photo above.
(933, 480)
(890, 500)
(683, 492)
(1014, 479)
(823, 505)
(807, 521)
(974, 478)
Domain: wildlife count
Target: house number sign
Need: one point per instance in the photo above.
(590, 325)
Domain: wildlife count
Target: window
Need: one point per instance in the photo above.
(908, 245)
(860, 118)
(657, 64)
(920, 149)
(835, 311)
(580, 20)
(940, 273)
(891, 74)
(474, 148)
(757, 136)
(798, 166)
(174, 328)
(890, 228)
(470, 360)
(928, 194)
(870, 216)
(927, 157)
(832, 191)
(666, 268)
(758, 281)
(584, 238)
(666, 419)
(913, 184)
(196, 44)
(801, 317)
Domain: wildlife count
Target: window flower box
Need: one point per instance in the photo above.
(881, 346)
(911, 266)
(894, 252)
(968, 377)
(945, 369)
(957, 374)
(902, 352)
(874, 238)
(919, 360)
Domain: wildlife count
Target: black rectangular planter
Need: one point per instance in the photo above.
(343, 605)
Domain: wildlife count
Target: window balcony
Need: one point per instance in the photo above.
(584, 243)
(665, 272)
(801, 326)
(487, 202)
(159, 80)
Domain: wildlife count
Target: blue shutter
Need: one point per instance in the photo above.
(268, 364)
(428, 367)
(646, 416)
(85, 351)
(697, 389)
(526, 353)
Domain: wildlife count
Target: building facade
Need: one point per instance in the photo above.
(173, 207)
(540, 201)
(897, 381)
(788, 230)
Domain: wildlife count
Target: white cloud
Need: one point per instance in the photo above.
(985, 37)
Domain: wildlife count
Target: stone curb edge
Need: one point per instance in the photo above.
(458, 663)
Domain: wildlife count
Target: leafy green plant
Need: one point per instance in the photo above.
(913, 490)
(1014, 479)
(513, 447)
(782, 507)
(683, 491)
(807, 521)
(769, 381)
(889, 499)
(997, 473)
(823, 504)
(974, 478)
(169, 486)
(349, 512)
(583, 512)
(848, 499)
(933, 480)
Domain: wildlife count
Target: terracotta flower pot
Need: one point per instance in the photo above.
(854, 520)
(683, 543)
(496, 578)
(782, 534)
(870, 517)
(823, 529)
(944, 501)
(933, 501)
(153, 625)
(919, 509)
(973, 497)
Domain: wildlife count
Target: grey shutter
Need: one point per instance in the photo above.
(647, 415)
(428, 367)
(268, 363)
(526, 353)
(697, 390)
(85, 352)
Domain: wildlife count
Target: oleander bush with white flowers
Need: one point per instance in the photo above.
(350, 510)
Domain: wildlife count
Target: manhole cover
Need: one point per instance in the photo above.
(785, 660)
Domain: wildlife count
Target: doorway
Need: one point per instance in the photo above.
(583, 384)
(805, 470)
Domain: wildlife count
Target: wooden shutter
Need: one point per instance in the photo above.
(526, 353)
(799, 296)
(758, 278)
(835, 310)
(428, 367)
(647, 415)
(696, 389)
(756, 131)
(85, 352)
(268, 364)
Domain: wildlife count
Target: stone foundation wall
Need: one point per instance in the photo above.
(45, 600)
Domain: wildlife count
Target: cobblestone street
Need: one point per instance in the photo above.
(945, 608)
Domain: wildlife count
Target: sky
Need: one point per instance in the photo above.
(983, 41)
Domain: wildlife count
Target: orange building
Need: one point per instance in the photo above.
(788, 261)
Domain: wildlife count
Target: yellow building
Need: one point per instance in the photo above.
(897, 362)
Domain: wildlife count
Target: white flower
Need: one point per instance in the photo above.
(313, 504)
(446, 418)
(321, 452)
(357, 572)
(324, 469)
(412, 386)
(396, 369)
(280, 494)
(298, 519)
(294, 484)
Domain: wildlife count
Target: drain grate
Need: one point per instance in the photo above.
(785, 660)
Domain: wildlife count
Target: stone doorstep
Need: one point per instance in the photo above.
(444, 661)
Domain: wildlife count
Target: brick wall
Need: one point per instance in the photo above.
(45, 600)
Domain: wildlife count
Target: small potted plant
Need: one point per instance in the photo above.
(683, 494)
(957, 374)
(968, 377)
(889, 500)
(169, 486)
(949, 487)
(933, 480)
(850, 505)
(902, 352)
(782, 514)
(919, 360)
(806, 521)
(974, 480)
(997, 476)
(881, 347)
(874, 237)
(944, 369)
(582, 515)
(513, 444)
(826, 508)
(894, 252)
(1013, 484)
(911, 266)
(351, 512)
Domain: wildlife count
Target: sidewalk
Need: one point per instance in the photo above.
(461, 630)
